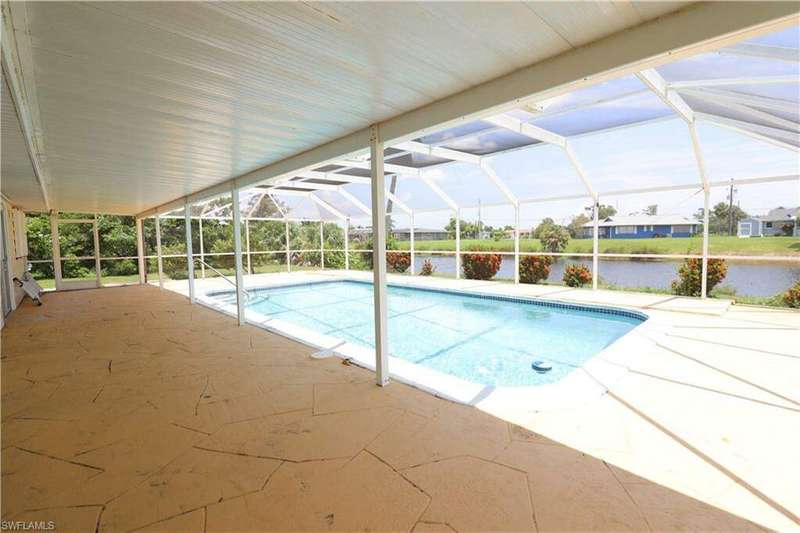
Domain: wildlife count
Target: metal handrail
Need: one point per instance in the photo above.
(223, 276)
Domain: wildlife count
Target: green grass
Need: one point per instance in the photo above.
(717, 245)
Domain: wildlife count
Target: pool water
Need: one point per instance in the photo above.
(478, 339)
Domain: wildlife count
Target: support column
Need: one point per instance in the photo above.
(413, 254)
(187, 217)
(140, 252)
(379, 258)
(704, 279)
(202, 249)
(237, 254)
(96, 237)
(516, 243)
(288, 249)
(347, 243)
(458, 243)
(247, 244)
(322, 244)
(595, 242)
(56, 249)
(158, 253)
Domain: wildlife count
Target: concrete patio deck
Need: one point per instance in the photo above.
(129, 408)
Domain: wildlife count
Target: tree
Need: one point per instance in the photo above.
(543, 227)
(467, 228)
(651, 210)
(576, 225)
(718, 217)
(606, 211)
(554, 238)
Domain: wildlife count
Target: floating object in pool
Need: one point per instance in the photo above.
(541, 366)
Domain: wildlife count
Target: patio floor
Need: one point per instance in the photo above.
(129, 408)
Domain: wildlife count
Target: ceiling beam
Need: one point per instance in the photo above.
(328, 207)
(722, 82)
(777, 53)
(528, 130)
(659, 86)
(437, 151)
(356, 202)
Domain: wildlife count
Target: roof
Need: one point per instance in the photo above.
(644, 220)
(420, 230)
(781, 213)
(212, 92)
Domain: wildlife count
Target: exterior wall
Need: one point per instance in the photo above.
(421, 236)
(642, 232)
(17, 263)
(770, 229)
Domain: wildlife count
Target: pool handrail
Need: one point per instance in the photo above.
(223, 276)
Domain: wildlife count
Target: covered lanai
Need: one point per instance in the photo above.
(268, 166)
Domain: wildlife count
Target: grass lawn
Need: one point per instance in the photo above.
(717, 245)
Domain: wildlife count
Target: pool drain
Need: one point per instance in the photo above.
(541, 366)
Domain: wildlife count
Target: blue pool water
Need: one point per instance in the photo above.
(478, 339)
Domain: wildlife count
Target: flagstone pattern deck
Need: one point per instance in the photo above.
(130, 409)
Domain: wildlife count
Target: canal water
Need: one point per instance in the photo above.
(747, 278)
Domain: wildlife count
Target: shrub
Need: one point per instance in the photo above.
(427, 268)
(576, 275)
(690, 274)
(398, 261)
(480, 266)
(534, 268)
(792, 297)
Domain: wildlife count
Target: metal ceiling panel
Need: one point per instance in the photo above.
(143, 102)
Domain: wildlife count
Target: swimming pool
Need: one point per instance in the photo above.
(488, 340)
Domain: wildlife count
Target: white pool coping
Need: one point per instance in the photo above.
(587, 383)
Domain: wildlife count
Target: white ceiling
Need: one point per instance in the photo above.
(142, 102)
(16, 172)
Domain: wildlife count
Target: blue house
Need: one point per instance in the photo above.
(643, 227)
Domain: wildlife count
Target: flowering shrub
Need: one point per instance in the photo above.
(534, 268)
(398, 261)
(792, 297)
(690, 274)
(577, 275)
(480, 266)
(427, 268)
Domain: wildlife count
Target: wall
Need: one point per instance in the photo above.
(17, 264)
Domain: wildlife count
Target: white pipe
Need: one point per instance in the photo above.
(595, 243)
(413, 255)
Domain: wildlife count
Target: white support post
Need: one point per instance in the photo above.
(701, 169)
(140, 253)
(56, 249)
(379, 258)
(187, 217)
(706, 208)
(202, 249)
(595, 242)
(458, 243)
(288, 249)
(237, 254)
(96, 236)
(247, 245)
(516, 243)
(413, 254)
(347, 243)
(158, 253)
(322, 244)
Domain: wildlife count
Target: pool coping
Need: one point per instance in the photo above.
(586, 383)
